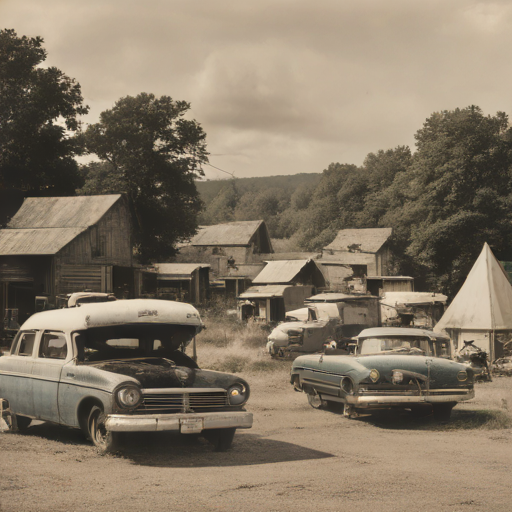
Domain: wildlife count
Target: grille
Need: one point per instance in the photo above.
(156, 403)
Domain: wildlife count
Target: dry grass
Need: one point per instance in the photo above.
(229, 345)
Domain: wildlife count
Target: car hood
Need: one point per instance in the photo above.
(161, 373)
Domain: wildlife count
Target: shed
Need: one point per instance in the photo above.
(183, 282)
(482, 309)
(60, 245)
(238, 241)
(378, 285)
(298, 272)
(269, 303)
(365, 250)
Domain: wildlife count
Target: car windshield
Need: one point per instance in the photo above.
(394, 344)
(132, 341)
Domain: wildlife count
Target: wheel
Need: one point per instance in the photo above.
(23, 422)
(105, 440)
(315, 401)
(442, 412)
(221, 438)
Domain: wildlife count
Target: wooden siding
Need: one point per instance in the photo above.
(75, 278)
(106, 243)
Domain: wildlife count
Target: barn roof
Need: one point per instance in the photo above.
(368, 240)
(280, 271)
(62, 212)
(18, 242)
(231, 233)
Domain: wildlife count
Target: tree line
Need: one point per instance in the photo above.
(443, 202)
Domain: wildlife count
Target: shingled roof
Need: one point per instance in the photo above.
(368, 240)
(44, 225)
(231, 233)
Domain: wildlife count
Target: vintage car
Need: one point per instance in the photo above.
(392, 368)
(117, 367)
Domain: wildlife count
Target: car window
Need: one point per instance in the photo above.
(53, 346)
(26, 343)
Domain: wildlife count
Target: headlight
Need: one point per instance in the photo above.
(462, 375)
(237, 394)
(347, 385)
(129, 396)
(374, 375)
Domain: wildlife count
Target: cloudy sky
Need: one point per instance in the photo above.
(283, 86)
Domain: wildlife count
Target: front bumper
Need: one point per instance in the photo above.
(363, 401)
(186, 423)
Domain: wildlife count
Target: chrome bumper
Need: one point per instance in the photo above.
(189, 423)
(373, 400)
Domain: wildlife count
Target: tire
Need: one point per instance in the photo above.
(316, 402)
(442, 412)
(221, 438)
(103, 439)
(23, 422)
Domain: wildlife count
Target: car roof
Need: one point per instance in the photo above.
(103, 314)
(375, 332)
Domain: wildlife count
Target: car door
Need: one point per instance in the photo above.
(53, 353)
(16, 373)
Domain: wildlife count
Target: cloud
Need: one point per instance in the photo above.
(284, 86)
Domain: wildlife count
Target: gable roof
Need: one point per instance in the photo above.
(45, 241)
(277, 272)
(484, 300)
(231, 233)
(62, 212)
(368, 240)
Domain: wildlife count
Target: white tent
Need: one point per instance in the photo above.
(482, 310)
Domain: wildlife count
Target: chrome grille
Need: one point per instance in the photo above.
(164, 403)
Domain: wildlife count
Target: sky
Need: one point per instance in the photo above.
(283, 86)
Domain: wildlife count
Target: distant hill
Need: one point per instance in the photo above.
(209, 189)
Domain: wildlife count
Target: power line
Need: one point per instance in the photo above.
(232, 174)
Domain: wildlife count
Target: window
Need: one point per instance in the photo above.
(53, 346)
(26, 343)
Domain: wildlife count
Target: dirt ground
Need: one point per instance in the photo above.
(294, 458)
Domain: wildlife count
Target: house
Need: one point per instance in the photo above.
(235, 241)
(60, 245)
(357, 253)
(232, 250)
(482, 309)
(184, 282)
(280, 287)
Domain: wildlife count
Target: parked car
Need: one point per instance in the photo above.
(119, 367)
(392, 368)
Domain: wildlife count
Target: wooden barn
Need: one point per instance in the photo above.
(60, 245)
(363, 252)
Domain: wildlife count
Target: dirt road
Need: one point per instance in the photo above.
(294, 458)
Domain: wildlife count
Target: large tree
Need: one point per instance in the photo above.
(456, 195)
(39, 110)
(153, 155)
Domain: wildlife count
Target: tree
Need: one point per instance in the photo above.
(154, 155)
(39, 109)
(222, 208)
(456, 195)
